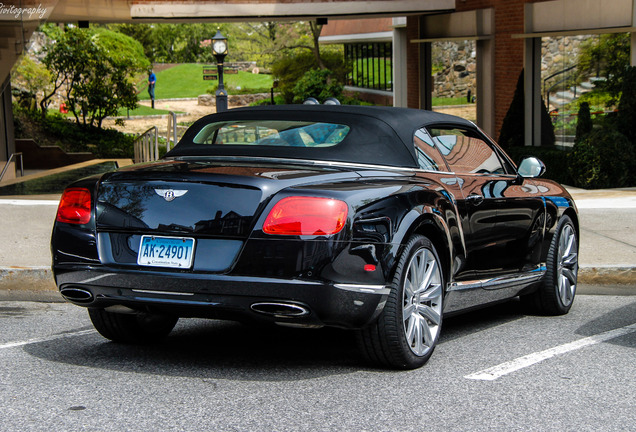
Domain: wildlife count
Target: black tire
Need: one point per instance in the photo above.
(556, 293)
(136, 328)
(392, 340)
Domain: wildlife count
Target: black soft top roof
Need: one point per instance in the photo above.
(379, 135)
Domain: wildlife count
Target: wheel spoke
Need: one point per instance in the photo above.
(408, 312)
(410, 330)
(565, 291)
(428, 336)
(569, 275)
(428, 313)
(433, 293)
(426, 280)
(416, 343)
(570, 260)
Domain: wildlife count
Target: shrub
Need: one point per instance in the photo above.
(555, 160)
(317, 83)
(584, 123)
(626, 116)
(512, 132)
(605, 158)
(288, 70)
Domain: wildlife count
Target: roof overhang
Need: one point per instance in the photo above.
(576, 17)
(237, 10)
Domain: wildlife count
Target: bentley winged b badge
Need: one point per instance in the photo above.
(170, 194)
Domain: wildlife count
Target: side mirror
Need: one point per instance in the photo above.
(531, 167)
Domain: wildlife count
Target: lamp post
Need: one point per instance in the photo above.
(219, 49)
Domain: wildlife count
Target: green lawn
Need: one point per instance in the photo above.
(186, 81)
(141, 110)
(449, 101)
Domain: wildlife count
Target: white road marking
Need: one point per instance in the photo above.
(25, 202)
(604, 203)
(46, 339)
(506, 368)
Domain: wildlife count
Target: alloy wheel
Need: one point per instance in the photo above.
(422, 302)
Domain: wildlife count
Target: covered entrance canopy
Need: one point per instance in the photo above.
(19, 19)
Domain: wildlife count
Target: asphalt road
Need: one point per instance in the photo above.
(574, 372)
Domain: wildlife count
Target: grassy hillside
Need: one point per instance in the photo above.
(186, 81)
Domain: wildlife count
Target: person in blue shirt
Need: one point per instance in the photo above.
(152, 79)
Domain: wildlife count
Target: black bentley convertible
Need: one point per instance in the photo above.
(381, 220)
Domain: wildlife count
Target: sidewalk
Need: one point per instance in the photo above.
(607, 249)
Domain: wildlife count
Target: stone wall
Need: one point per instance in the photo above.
(458, 63)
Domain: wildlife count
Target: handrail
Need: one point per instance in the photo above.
(172, 127)
(545, 83)
(6, 166)
(143, 148)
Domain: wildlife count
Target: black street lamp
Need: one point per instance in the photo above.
(219, 49)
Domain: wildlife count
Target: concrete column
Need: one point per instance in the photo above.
(426, 76)
(632, 56)
(532, 91)
(7, 139)
(400, 85)
(486, 86)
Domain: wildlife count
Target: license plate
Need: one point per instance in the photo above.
(173, 252)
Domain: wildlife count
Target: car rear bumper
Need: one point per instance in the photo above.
(287, 302)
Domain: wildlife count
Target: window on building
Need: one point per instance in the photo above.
(371, 65)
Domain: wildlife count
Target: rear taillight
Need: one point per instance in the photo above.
(75, 206)
(306, 216)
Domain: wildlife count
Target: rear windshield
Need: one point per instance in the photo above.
(277, 133)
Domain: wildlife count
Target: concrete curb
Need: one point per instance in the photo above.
(27, 279)
(607, 275)
(41, 278)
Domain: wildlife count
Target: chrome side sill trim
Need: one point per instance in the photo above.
(162, 292)
(498, 282)
(366, 289)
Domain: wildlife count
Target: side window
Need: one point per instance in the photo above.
(467, 154)
(428, 157)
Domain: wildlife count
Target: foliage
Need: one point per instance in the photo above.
(626, 116)
(584, 123)
(606, 56)
(555, 160)
(35, 78)
(95, 67)
(512, 132)
(547, 128)
(513, 126)
(291, 68)
(603, 159)
(317, 83)
(173, 43)
(55, 129)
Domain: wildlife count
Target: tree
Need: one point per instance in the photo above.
(512, 132)
(626, 116)
(607, 56)
(584, 122)
(513, 126)
(34, 76)
(96, 67)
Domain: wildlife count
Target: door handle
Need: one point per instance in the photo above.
(475, 199)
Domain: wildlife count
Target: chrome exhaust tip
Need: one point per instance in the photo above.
(280, 310)
(77, 295)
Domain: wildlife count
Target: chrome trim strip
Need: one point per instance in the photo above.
(162, 292)
(494, 283)
(366, 289)
(309, 162)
